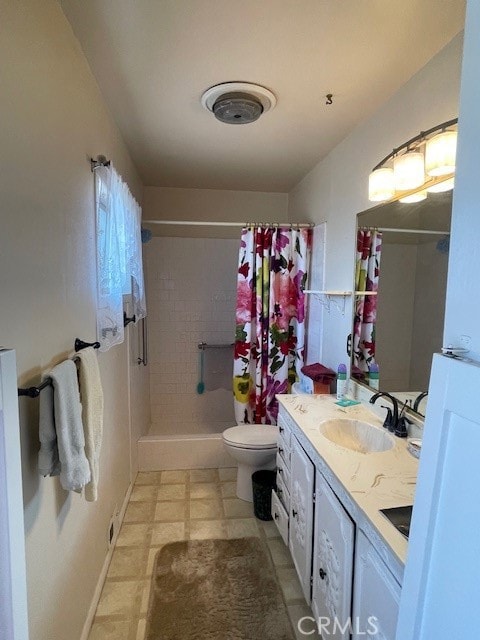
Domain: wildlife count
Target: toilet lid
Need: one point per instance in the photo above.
(252, 436)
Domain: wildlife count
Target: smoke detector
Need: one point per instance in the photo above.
(238, 102)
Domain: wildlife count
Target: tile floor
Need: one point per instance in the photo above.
(167, 506)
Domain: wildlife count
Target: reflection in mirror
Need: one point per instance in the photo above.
(402, 257)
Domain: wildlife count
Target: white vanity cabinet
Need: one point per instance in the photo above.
(333, 550)
(302, 489)
(376, 594)
(281, 497)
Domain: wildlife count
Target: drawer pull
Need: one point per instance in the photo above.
(323, 574)
(294, 513)
(279, 491)
(281, 429)
(280, 450)
(275, 515)
(280, 471)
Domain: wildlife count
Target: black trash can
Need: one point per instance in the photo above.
(262, 484)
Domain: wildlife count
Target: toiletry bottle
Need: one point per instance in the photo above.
(341, 381)
(374, 376)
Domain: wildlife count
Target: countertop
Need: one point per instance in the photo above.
(364, 482)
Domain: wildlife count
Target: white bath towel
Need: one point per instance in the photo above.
(48, 461)
(91, 395)
(66, 417)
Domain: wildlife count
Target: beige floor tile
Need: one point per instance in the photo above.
(139, 512)
(128, 562)
(270, 528)
(302, 620)
(165, 532)
(143, 493)
(236, 508)
(174, 477)
(228, 474)
(119, 598)
(205, 490)
(206, 510)
(109, 630)
(134, 535)
(203, 475)
(229, 489)
(148, 478)
(203, 530)
(145, 597)
(279, 552)
(171, 492)
(291, 588)
(152, 554)
(242, 528)
(142, 627)
(170, 511)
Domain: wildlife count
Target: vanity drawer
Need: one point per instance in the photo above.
(284, 450)
(284, 430)
(285, 422)
(283, 472)
(283, 493)
(280, 517)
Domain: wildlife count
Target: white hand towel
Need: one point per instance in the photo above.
(74, 467)
(48, 462)
(92, 414)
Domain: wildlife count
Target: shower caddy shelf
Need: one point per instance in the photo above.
(327, 298)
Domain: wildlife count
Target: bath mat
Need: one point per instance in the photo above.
(216, 590)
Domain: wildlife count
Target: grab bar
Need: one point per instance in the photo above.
(204, 345)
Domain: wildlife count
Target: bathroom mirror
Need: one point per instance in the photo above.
(410, 300)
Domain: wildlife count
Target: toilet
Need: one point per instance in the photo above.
(254, 447)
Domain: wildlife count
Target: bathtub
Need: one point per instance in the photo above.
(199, 451)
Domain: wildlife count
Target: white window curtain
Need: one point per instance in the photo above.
(119, 255)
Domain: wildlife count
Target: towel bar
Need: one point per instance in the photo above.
(34, 392)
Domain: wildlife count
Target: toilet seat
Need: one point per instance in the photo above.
(252, 436)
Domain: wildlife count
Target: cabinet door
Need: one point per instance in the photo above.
(301, 516)
(332, 563)
(376, 595)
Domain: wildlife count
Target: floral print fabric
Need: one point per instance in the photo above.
(270, 319)
(369, 250)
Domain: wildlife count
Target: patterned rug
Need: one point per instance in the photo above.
(216, 590)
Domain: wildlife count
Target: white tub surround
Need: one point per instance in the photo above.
(364, 482)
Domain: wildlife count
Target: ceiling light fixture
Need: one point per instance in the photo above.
(238, 102)
(406, 168)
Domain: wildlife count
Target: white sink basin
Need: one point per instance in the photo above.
(356, 435)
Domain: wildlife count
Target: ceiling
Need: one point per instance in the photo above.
(154, 58)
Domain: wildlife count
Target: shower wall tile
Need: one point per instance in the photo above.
(191, 287)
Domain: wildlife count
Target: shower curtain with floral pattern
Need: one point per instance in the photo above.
(270, 318)
(367, 272)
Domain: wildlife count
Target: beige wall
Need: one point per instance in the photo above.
(164, 203)
(52, 119)
(336, 189)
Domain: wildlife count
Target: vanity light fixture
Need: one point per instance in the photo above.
(424, 161)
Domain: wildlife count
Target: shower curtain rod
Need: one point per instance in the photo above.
(198, 223)
(421, 231)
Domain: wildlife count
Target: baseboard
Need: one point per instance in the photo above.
(203, 451)
(103, 574)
